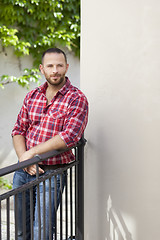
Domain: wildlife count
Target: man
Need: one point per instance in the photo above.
(53, 117)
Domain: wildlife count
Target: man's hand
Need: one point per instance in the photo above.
(31, 169)
(55, 143)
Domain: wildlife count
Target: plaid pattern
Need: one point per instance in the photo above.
(66, 116)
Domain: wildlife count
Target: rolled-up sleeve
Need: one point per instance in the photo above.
(22, 122)
(75, 121)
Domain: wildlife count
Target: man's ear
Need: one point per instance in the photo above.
(41, 68)
(67, 67)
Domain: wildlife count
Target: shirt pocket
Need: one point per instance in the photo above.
(55, 120)
(57, 114)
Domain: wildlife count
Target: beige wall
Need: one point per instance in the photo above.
(120, 74)
(12, 96)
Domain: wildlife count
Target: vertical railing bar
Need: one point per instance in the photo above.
(8, 218)
(16, 215)
(76, 187)
(38, 202)
(55, 205)
(31, 212)
(24, 213)
(37, 171)
(61, 208)
(81, 190)
(76, 194)
(71, 208)
(44, 210)
(66, 201)
(76, 202)
(73, 193)
(39, 211)
(50, 212)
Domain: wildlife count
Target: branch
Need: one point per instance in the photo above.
(30, 75)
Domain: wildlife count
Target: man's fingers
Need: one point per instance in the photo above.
(32, 170)
(41, 170)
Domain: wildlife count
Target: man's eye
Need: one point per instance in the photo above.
(49, 66)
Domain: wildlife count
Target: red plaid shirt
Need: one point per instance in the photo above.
(66, 115)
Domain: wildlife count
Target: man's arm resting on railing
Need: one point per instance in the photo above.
(19, 145)
(55, 143)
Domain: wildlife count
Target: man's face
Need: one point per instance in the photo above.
(54, 68)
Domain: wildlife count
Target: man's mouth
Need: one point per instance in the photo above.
(54, 77)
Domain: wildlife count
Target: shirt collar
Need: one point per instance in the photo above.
(66, 86)
(62, 91)
(43, 87)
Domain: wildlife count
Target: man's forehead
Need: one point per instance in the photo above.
(54, 57)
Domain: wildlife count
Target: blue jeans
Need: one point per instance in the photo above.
(19, 179)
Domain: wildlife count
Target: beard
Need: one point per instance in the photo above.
(55, 82)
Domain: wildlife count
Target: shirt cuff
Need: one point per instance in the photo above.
(70, 142)
(15, 132)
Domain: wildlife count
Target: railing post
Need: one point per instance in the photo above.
(81, 190)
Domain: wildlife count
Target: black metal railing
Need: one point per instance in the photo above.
(69, 217)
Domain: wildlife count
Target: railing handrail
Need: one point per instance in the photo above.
(37, 158)
(11, 192)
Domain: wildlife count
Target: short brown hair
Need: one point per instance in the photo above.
(54, 50)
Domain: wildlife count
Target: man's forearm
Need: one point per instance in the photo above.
(19, 144)
(55, 143)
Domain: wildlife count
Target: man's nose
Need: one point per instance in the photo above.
(54, 68)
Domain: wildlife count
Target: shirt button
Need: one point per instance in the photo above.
(45, 111)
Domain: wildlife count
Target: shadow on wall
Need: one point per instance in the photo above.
(117, 229)
(111, 190)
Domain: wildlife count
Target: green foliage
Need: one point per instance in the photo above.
(30, 75)
(4, 183)
(9, 38)
(32, 26)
